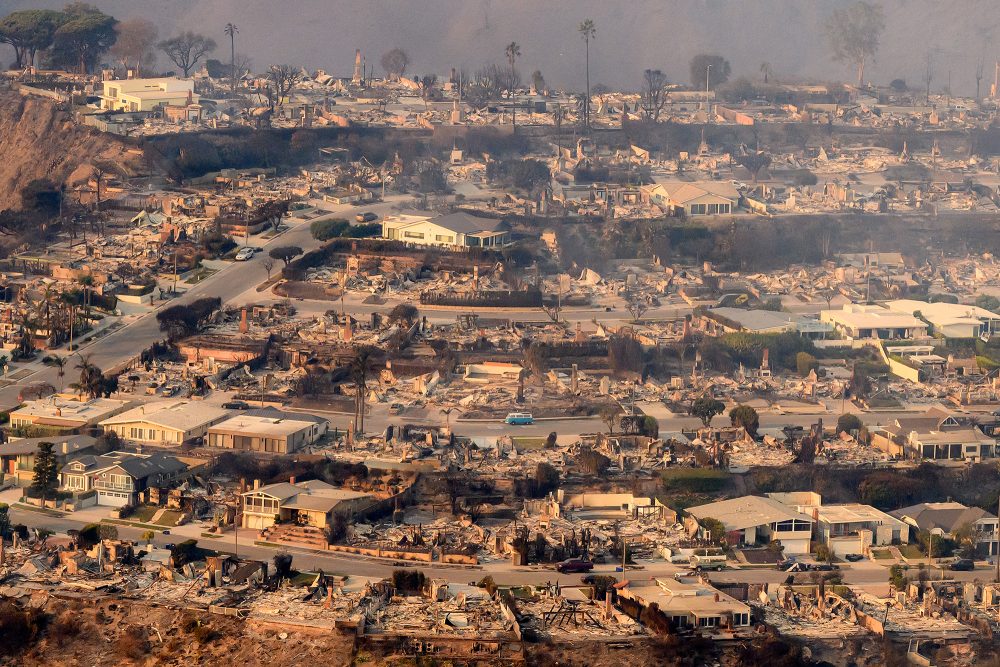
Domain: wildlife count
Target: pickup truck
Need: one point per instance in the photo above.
(709, 562)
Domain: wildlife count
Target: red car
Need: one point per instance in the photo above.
(574, 565)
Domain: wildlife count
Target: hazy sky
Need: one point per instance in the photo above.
(631, 36)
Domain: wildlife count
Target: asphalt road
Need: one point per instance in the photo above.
(233, 280)
(867, 573)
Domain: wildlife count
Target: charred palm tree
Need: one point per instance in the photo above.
(359, 373)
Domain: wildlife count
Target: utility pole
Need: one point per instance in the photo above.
(236, 529)
(175, 272)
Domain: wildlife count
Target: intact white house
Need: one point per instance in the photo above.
(147, 94)
(951, 320)
(455, 229)
(755, 520)
(696, 198)
(858, 320)
(166, 422)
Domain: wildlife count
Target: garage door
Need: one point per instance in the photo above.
(257, 521)
(112, 498)
(795, 547)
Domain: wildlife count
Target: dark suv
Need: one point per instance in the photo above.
(963, 565)
(574, 565)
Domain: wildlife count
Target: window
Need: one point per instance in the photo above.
(75, 482)
(713, 209)
(697, 209)
(444, 238)
(413, 235)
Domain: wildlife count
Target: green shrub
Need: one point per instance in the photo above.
(695, 480)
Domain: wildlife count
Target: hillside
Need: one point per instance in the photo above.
(38, 140)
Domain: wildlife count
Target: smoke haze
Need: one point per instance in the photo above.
(659, 34)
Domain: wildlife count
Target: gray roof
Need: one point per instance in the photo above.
(63, 445)
(139, 467)
(747, 512)
(463, 223)
(946, 517)
(157, 464)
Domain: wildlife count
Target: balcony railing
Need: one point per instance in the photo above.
(109, 486)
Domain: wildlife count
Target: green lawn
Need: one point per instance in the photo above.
(911, 552)
(169, 518)
(198, 276)
(134, 524)
(143, 514)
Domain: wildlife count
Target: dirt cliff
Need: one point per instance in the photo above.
(38, 140)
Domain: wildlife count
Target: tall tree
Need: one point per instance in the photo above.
(394, 63)
(283, 79)
(854, 32)
(30, 31)
(709, 69)
(46, 478)
(654, 93)
(706, 408)
(186, 49)
(745, 416)
(588, 31)
(513, 52)
(766, 71)
(60, 364)
(231, 31)
(83, 38)
(134, 43)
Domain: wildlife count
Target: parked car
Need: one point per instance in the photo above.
(825, 567)
(244, 254)
(396, 409)
(963, 565)
(368, 216)
(853, 558)
(235, 405)
(783, 565)
(574, 565)
(519, 418)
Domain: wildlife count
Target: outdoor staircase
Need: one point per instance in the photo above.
(286, 533)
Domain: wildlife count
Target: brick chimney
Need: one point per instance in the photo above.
(348, 330)
(291, 480)
(244, 326)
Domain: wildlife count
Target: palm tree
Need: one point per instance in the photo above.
(359, 373)
(231, 31)
(513, 52)
(588, 31)
(91, 377)
(69, 300)
(48, 298)
(60, 364)
(765, 70)
(87, 281)
(558, 114)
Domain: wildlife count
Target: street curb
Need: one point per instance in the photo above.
(536, 419)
